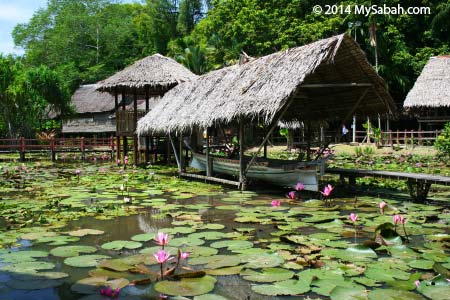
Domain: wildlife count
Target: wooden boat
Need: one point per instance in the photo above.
(278, 172)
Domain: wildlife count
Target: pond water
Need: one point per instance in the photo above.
(247, 248)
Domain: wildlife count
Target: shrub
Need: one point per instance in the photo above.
(442, 143)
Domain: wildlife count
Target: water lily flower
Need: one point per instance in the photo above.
(417, 283)
(275, 203)
(162, 239)
(108, 292)
(300, 186)
(292, 195)
(118, 162)
(396, 219)
(162, 256)
(382, 206)
(184, 255)
(327, 190)
(77, 172)
(126, 200)
(353, 217)
(125, 160)
(402, 219)
(162, 296)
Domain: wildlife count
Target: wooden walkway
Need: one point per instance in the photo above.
(418, 183)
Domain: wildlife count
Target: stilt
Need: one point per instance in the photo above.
(182, 167)
(147, 138)
(242, 179)
(116, 106)
(135, 137)
(209, 168)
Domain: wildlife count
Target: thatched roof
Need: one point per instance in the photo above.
(87, 99)
(262, 87)
(432, 88)
(97, 123)
(156, 73)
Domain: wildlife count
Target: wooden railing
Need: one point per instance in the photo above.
(82, 145)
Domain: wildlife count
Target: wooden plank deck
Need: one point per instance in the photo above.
(418, 183)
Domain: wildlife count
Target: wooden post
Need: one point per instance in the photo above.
(405, 138)
(52, 149)
(22, 149)
(208, 159)
(83, 154)
(398, 138)
(182, 167)
(147, 138)
(354, 129)
(116, 106)
(412, 139)
(391, 142)
(111, 145)
(242, 180)
(135, 137)
(125, 120)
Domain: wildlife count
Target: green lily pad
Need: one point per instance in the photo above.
(421, 264)
(346, 293)
(70, 251)
(267, 275)
(84, 232)
(232, 244)
(210, 297)
(28, 267)
(196, 251)
(186, 286)
(38, 235)
(216, 261)
(262, 260)
(207, 235)
(186, 241)
(281, 288)
(225, 271)
(143, 237)
(120, 244)
(85, 261)
(22, 256)
(57, 240)
(393, 294)
(435, 292)
(92, 285)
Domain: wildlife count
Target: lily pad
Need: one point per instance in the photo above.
(262, 260)
(143, 237)
(85, 261)
(210, 297)
(70, 251)
(391, 294)
(92, 285)
(267, 275)
(186, 286)
(22, 256)
(84, 232)
(216, 261)
(232, 244)
(281, 288)
(120, 244)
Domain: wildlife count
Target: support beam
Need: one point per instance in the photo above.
(125, 140)
(135, 137)
(208, 158)
(116, 106)
(182, 167)
(352, 111)
(147, 138)
(242, 172)
(175, 152)
(334, 85)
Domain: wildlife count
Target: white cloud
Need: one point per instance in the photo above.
(7, 47)
(15, 13)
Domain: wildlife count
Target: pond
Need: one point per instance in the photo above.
(69, 231)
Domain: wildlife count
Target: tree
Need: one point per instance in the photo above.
(27, 95)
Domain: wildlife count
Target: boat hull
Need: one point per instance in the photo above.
(286, 176)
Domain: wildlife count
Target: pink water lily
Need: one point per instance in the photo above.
(353, 217)
(396, 219)
(162, 239)
(275, 203)
(108, 292)
(292, 195)
(184, 255)
(417, 283)
(77, 172)
(300, 186)
(382, 205)
(162, 256)
(327, 190)
(125, 160)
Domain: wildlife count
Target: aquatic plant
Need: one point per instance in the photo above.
(326, 193)
(162, 239)
(292, 195)
(161, 257)
(78, 173)
(382, 205)
(275, 203)
(353, 217)
(109, 292)
(299, 187)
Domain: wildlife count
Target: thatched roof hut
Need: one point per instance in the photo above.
(432, 88)
(156, 74)
(328, 79)
(95, 112)
(87, 99)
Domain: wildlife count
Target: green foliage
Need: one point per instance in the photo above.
(442, 143)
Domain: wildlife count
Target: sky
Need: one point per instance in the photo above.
(13, 12)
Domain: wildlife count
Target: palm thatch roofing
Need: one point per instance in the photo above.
(327, 79)
(432, 88)
(156, 74)
(87, 99)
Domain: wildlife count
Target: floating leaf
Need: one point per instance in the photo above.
(216, 261)
(186, 286)
(232, 244)
(84, 261)
(346, 293)
(120, 244)
(288, 287)
(70, 251)
(267, 275)
(225, 271)
(393, 294)
(84, 232)
(143, 237)
(22, 256)
(262, 260)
